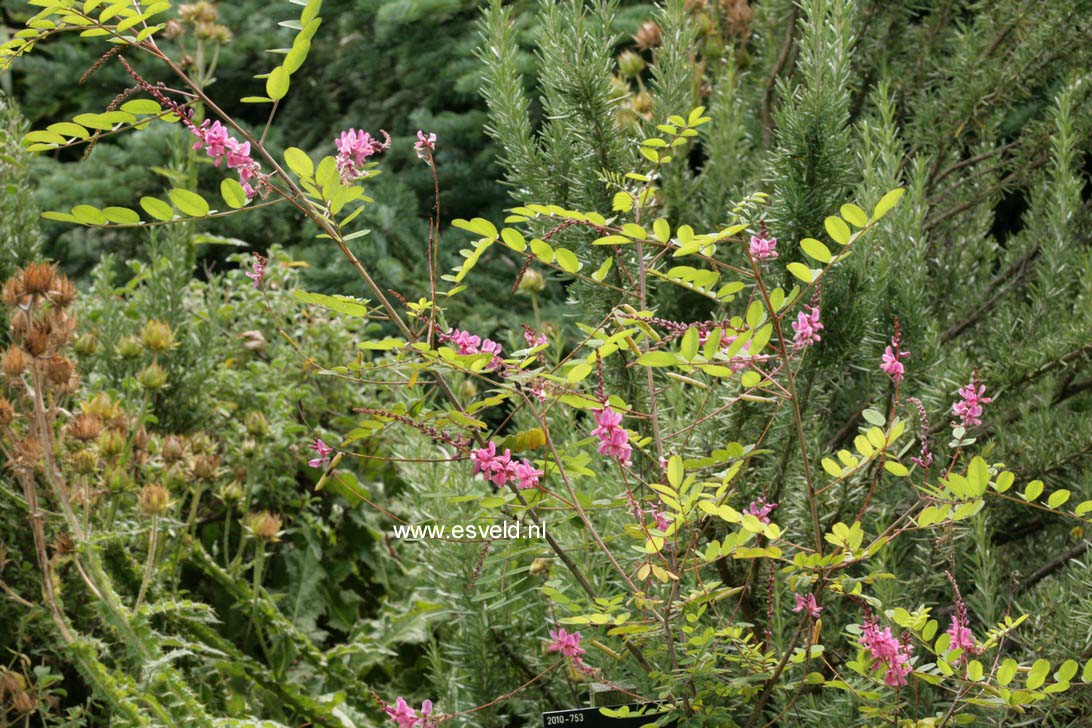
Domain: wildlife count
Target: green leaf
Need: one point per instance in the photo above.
(579, 372)
(69, 129)
(603, 269)
(542, 250)
(689, 346)
(233, 193)
(1058, 498)
(141, 106)
(88, 215)
(662, 229)
(276, 85)
(340, 304)
(854, 215)
(1006, 672)
(1034, 490)
(121, 215)
(299, 162)
(567, 260)
(514, 239)
(623, 202)
(1066, 671)
(887, 202)
(478, 226)
(189, 203)
(837, 230)
(750, 378)
(657, 359)
(895, 468)
(675, 471)
(157, 208)
(1038, 675)
(801, 271)
(816, 249)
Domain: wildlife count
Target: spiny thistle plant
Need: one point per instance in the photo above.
(693, 587)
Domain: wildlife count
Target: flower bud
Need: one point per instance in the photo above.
(264, 525)
(62, 292)
(157, 336)
(14, 362)
(102, 406)
(174, 29)
(201, 443)
(130, 347)
(630, 64)
(38, 278)
(173, 449)
(619, 87)
(153, 499)
(540, 566)
(642, 103)
(532, 282)
(648, 35)
(84, 427)
(468, 389)
(111, 444)
(249, 447)
(15, 291)
(118, 480)
(141, 440)
(232, 493)
(256, 423)
(152, 377)
(84, 461)
(205, 467)
(59, 370)
(86, 345)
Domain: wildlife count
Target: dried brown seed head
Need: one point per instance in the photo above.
(153, 499)
(62, 292)
(38, 278)
(84, 427)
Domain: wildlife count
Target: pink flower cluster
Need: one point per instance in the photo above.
(887, 652)
(467, 344)
(354, 147)
(760, 509)
(890, 362)
(763, 247)
(499, 469)
(740, 360)
(807, 603)
(969, 408)
(221, 146)
(806, 327)
(534, 338)
(258, 272)
(425, 145)
(613, 438)
(323, 451)
(962, 637)
(567, 644)
(405, 716)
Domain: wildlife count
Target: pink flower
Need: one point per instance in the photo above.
(763, 247)
(495, 469)
(469, 344)
(886, 652)
(405, 717)
(567, 644)
(962, 637)
(534, 338)
(491, 347)
(969, 409)
(526, 475)
(354, 147)
(425, 145)
(613, 439)
(663, 520)
(890, 363)
(808, 604)
(760, 509)
(258, 274)
(807, 328)
(323, 451)
(222, 146)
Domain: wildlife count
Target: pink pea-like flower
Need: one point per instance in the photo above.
(526, 474)
(425, 145)
(222, 146)
(807, 603)
(961, 636)
(806, 327)
(257, 274)
(406, 717)
(890, 361)
(323, 451)
(760, 509)
(970, 407)
(534, 338)
(613, 438)
(567, 644)
(887, 652)
(763, 247)
(354, 147)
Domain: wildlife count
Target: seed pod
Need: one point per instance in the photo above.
(264, 525)
(7, 412)
(38, 278)
(14, 362)
(84, 427)
(59, 370)
(174, 449)
(630, 64)
(62, 292)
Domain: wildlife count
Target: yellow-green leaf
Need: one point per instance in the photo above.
(189, 203)
(299, 162)
(233, 193)
(816, 249)
(887, 202)
(276, 84)
(157, 208)
(854, 215)
(837, 229)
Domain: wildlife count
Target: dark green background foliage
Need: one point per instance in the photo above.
(978, 108)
